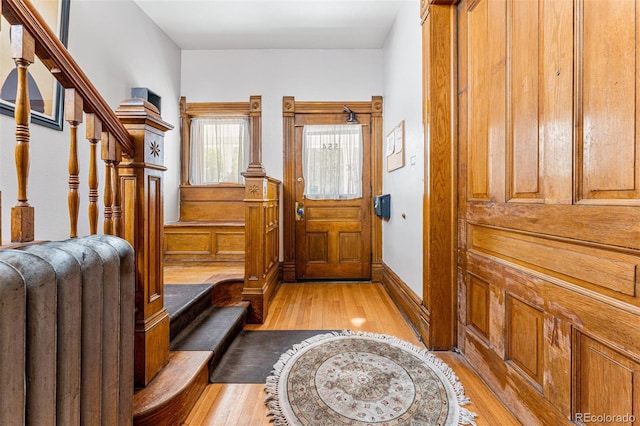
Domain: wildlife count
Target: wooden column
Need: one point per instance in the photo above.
(376, 186)
(261, 244)
(255, 168)
(93, 132)
(73, 115)
(288, 191)
(117, 197)
(142, 211)
(108, 155)
(185, 142)
(439, 217)
(22, 214)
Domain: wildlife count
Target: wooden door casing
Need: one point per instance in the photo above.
(549, 247)
(371, 112)
(333, 241)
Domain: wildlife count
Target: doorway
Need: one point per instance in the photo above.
(330, 231)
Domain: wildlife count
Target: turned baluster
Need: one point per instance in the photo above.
(117, 207)
(22, 214)
(73, 115)
(93, 133)
(108, 156)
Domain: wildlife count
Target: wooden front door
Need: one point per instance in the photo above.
(332, 236)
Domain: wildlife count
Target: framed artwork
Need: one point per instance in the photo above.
(45, 93)
(394, 147)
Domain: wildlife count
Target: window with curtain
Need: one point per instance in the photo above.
(332, 161)
(219, 150)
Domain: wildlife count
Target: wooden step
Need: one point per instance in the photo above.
(213, 330)
(184, 302)
(171, 395)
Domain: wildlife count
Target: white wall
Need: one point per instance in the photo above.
(308, 75)
(117, 47)
(402, 236)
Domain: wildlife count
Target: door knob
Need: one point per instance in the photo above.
(299, 211)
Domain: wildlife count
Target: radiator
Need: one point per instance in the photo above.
(66, 333)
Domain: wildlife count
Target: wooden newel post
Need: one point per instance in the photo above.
(140, 182)
(261, 244)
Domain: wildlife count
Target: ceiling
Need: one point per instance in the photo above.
(274, 24)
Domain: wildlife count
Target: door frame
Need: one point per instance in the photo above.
(289, 110)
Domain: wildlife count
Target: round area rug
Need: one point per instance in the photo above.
(364, 379)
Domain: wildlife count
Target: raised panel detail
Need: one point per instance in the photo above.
(478, 305)
(318, 246)
(607, 92)
(523, 138)
(606, 383)
(608, 271)
(350, 247)
(187, 243)
(524, 338)
(333, 213)
(479, 72)
(190, 242)
(229, 242)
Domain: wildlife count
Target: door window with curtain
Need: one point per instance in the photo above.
(332, 162)
(219, 150)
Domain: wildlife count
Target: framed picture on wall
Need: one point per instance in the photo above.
(394, 147)
(45, 93)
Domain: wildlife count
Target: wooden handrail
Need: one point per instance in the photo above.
(64, 68)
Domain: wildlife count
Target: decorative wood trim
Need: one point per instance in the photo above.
(523, 167)
(251, 109)
(141, 184)
(478, 304)
(603, 271)
(521, 316)
(22, 214)
(255, 168)
(377, 268)
(440, 183)
(532, 407)
(185, 135)
(63, 67)
(261, 270)
(408, 302)
(73, 115)
(288, 196)
(290, 107)
(584, 223)
(170, 398)
(217, 109)
(194, 242)
(93, 133)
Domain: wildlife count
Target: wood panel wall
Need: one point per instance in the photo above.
(549, 190)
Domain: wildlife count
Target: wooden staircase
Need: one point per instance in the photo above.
(204, 320)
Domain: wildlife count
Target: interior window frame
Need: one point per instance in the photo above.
(190, 110)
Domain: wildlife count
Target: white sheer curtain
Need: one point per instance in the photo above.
(219, 150)
(332, 161)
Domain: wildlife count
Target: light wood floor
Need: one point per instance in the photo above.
(322, 306)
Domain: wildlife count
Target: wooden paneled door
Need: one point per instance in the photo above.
(549, 184)
(331, 239)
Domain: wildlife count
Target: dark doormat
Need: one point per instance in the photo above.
(251, 356)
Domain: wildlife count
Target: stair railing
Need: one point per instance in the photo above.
(131, 140)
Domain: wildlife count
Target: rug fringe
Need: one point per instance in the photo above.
(465, 417)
